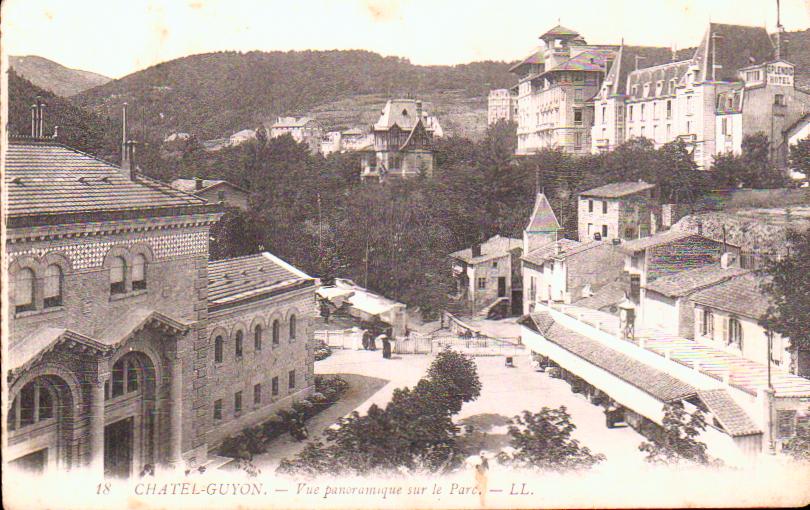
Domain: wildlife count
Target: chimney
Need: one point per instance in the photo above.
(124, 154)
(37, 118)
(128, 161)
(476, 250)
(198, 183)
(556, 248)
(418, 109)
(700, 228)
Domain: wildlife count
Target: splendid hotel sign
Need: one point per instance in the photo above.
(780, 74)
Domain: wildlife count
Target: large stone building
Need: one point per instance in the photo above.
(114, 318)
(303, 130)
(501, 105)
(733, 84)
(553, 89)
(403, 142)
(620, 210)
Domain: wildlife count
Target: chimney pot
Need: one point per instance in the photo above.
(476, 250)
(198, 183)
(128, 162)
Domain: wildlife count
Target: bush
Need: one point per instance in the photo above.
(254, 440)
(322, 351)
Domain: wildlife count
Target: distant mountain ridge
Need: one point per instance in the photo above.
(216, 94)
(49, 75)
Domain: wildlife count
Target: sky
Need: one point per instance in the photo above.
(118, 37)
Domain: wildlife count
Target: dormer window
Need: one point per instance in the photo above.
(405, 113)
(659, 87)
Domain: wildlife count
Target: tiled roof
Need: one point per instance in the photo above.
(731, 416)
(535, 58)
(402, 112)
(548, 251)
(285, 122)
(735, 47)
(567, 248)
(190, 185)
(607, 296)
(660, 385)
(618, 189)
(685, 282)
(543, 217)
(588, 60)
(231, 280)
(626, 61)
(494, 247)
(665, 73)
(742, 296)
(652, 241)
(560, 30)
(46, 178)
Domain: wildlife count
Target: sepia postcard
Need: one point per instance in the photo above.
(405, 254)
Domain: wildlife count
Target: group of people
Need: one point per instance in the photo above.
(370, 343)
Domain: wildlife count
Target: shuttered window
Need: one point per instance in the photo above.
(53, 286)
(117, 271)
(24, 290)
(292, 328)
(139, 272)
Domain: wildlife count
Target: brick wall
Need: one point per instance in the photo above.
(259, 367)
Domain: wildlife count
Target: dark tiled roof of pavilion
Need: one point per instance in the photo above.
(742, 296)
(731, 416)
(240, 278)
(660, 385)
(47, 178)
(535, 58)
(560, 30)
(618, 189)
(685, 282)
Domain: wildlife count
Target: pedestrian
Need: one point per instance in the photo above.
(481, 477)
(386, 343)
(366, 339)
(372, 346)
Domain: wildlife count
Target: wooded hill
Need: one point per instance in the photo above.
(49, 75)
(215, 94)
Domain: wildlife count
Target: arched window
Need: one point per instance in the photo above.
(257, 337)
(118, 269)
(238, 344)
(276, 332)
(125, 377)
(24, 290)
(139, 272)
(53, 286)
(735, 334)
(35, 403)
(292, 328)
(218, 346)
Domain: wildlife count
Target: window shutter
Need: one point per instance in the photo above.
(24, 287)
(117, 270)
(139, 268)
(53, 281)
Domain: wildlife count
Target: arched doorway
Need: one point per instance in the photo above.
(130, 415)
(40, 425)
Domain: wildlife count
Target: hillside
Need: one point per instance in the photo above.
(798, 53)
(47, 74)
(216, 94)
(77, 128)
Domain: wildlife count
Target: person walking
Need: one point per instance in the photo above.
(386, 343)
(366, 339)
(481, 478)
(372, 345)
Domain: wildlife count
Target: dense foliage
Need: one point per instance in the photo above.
(215, 94)
(543, 440)
(678, 440)
(751, 168)
(254, 440)
(414, 431)
(789, 290)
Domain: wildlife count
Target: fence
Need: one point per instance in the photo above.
(427, 344)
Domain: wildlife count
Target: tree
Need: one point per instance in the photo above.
(798, 447)
(752, 168)
(414, 432)
(677, 441)
(788, 287)
(543, 440)
(799, 158)
(235, 234)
